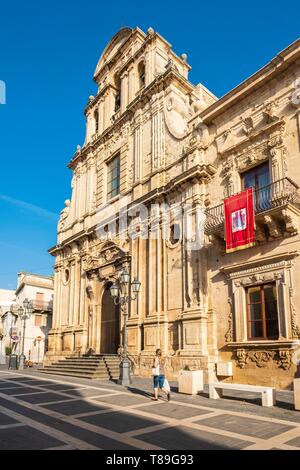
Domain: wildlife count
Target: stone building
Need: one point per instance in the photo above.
(38, 289)
(154, 139)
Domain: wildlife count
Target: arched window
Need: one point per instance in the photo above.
(118, 93)
(96, 117)
(141, 72)
(174, 234)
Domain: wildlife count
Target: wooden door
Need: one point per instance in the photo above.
(110, 325)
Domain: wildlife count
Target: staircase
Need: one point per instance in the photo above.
(100, 367)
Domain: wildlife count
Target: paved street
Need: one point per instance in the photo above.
(39, 412)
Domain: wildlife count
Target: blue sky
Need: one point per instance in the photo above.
(48, 53)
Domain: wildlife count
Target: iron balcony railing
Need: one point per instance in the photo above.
(42, 305)
(277, 194)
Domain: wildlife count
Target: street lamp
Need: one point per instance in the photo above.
(24, 313)
(121, 297)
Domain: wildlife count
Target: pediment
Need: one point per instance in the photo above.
(115, 43)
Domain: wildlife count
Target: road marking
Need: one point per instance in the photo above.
(14, 425)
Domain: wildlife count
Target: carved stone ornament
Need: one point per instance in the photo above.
(285, 358)
(261, 357)
(270, 111)
(247, 125)
(229, 333)
(295, 327)
(242, 358)
(64, 215)
(227, 140)
(90, 263)
(176, 115)
(108, 253)
(200, 135)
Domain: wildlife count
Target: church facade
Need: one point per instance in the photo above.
(159, 157)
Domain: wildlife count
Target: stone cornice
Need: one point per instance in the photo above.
(252, 137)
(197, 172)
(252, 264)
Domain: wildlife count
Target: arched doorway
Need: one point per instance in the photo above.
(110, 324)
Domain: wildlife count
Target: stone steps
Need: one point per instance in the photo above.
(89, 367)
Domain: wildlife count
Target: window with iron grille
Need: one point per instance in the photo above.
(113, 177)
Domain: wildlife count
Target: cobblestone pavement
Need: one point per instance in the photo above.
(52, 412)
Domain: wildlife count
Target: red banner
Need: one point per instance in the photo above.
(239, 221)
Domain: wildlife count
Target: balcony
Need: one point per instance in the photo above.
(42, 306)
(277, 211)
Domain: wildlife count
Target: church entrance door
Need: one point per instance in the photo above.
(110, 324)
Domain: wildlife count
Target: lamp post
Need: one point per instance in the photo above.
(24, 313)
(121, 296)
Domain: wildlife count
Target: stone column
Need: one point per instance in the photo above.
(150, 274)
(295, 102)
(79, 191)
(77, 288)
(74, 203)
(72, 293)
(89, 126)
(56, 299)
(138, 150)
(124, 91)
(239, 309)
(133, 307)
(154, 140)
(131, 90)
(283, 306)
(101, 115)
(83, 191)
(106, 110)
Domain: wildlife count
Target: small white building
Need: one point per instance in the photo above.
(38, 290)
(7, 299)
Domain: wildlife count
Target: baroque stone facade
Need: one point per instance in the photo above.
(177, 144)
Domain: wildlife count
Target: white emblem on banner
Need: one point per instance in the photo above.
(239, 220)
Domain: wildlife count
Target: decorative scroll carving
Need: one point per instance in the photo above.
(247, 125)
(108, 253)
(261, 357)
(258, 278)
(199, 136)
(228, 140)
(90, 263)
(260, 233)
(228, 170)
(295, 327)
(291, 222)
(229, 333)
(285, 358)
(242, 358)
(176, 114)
(64, 215)
(273, 227)
(270, 111)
